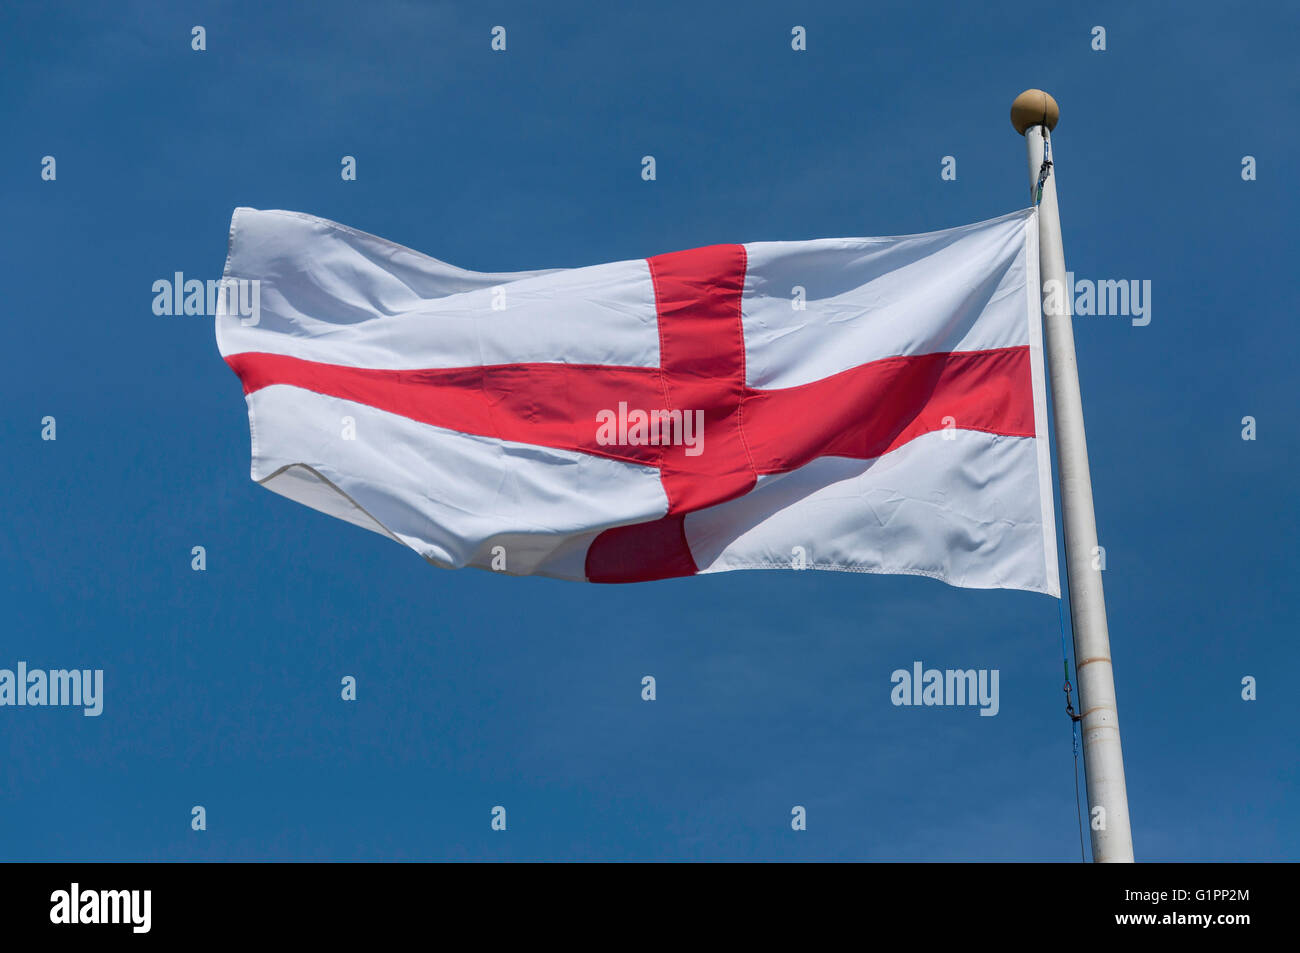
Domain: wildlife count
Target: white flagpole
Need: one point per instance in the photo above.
(1034, 114)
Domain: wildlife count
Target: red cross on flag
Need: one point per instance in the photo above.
(856, 404)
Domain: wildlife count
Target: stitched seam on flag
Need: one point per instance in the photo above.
(252, 428)
(893, 359)
(833, 567)
(658, 371)
(981, 355)
(744, 372)
(872, 570)
(230, 243)
(901, 446)
(471, 435)
(779, 471)
(605, 453)
(663, 377)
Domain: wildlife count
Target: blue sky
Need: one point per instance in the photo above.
(475, 690)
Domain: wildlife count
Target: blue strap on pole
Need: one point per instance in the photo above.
(1045, 169)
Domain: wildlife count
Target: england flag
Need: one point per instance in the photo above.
(869, 405)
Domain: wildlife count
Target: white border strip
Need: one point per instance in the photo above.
(1034, 309)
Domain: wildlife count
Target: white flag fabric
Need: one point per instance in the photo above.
(857, 404)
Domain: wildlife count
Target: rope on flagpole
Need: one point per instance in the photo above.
(1069, 710)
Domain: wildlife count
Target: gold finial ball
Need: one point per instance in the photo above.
(1034, 107)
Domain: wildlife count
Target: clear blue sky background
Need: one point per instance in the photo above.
(222, 687)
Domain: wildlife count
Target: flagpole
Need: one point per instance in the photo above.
(1034, 115)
